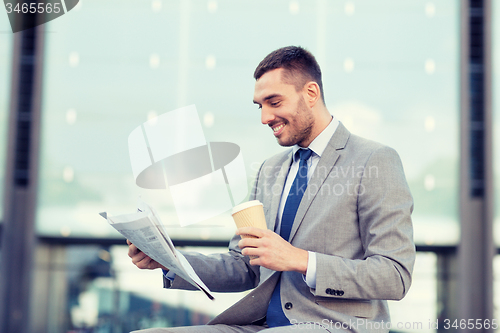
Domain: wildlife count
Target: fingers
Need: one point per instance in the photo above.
(270, 250)
(246, 242)
(132, 250)
(139, 258)
(253, 247)
(142, 261)
(251, 251)
(258, 237)
(251, 231)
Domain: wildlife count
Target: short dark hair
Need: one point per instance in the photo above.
(299, 64)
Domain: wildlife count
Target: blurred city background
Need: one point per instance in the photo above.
(392, 72)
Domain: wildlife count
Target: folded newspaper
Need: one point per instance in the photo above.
(145, 230)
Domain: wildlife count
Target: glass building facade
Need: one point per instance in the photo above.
(391, 73)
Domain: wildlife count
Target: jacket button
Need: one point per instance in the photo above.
(328, 291)
(288, 305)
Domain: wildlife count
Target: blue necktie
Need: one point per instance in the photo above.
(275, 315)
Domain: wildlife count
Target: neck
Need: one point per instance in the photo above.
(323, 119)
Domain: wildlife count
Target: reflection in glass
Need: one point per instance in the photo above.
(390, 72)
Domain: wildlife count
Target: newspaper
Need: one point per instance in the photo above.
(145, 230)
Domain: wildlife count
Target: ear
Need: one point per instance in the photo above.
(312, 93)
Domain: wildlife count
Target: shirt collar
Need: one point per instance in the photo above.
(318, 145)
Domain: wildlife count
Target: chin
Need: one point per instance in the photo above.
(285, 143)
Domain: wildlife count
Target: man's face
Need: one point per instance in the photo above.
(284, 109)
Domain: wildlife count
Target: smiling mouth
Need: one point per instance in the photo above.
(278, 129)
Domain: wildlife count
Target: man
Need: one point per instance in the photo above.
(340, 239)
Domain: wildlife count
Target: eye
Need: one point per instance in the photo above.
(275, 104)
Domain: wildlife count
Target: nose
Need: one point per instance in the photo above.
(266, 115)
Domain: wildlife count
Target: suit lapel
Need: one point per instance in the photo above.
(323, 169)
(276, 190)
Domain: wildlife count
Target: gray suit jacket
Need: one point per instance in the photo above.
(355, 214)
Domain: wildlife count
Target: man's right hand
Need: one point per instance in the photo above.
(140, 259)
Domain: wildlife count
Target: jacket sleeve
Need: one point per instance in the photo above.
(384, 206)
(222, 272)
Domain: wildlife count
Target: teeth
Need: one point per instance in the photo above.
(276, 129)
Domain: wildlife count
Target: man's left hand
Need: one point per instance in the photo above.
(272, 250)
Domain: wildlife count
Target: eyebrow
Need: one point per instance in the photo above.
(268, 98)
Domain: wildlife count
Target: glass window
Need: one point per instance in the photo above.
(6, 39)
(98, 288)
(390, 74)
(417, 311)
